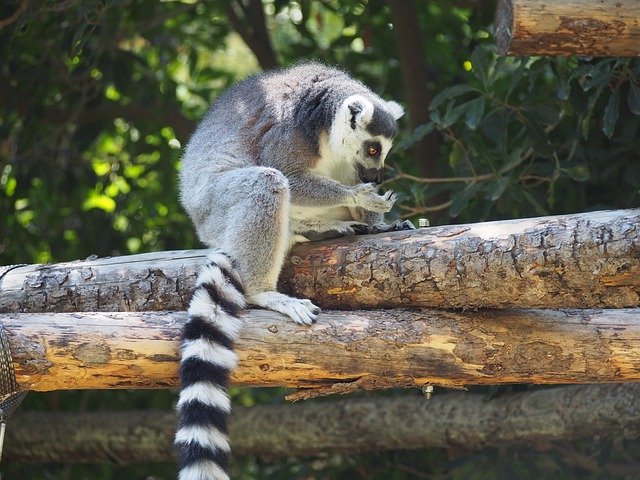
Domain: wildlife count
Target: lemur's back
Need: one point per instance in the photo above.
(280, 100)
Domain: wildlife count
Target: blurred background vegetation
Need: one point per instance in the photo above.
(97, 98)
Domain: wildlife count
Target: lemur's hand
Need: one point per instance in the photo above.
(366, 196)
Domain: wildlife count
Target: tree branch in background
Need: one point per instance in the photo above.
(248, 20)
(471, 421)
(411, 53)
(5, 22)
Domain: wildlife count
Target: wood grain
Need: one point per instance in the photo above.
(604, 28)
(344, 351)
(589, 260)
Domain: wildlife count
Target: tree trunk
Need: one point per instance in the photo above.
(411, 52)
(605, 28)
(590, 260)
(248, 20)
(472, 421)
(343, 352)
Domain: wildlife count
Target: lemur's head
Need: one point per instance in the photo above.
(362, 133)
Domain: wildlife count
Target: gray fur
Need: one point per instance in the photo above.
(256, 174)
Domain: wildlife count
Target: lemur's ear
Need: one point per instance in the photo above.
(395, 109)
(358, 110)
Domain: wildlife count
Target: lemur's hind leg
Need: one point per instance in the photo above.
(255, 232)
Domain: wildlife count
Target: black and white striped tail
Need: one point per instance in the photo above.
(207, 359)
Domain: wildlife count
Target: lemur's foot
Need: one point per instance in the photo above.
(301, 311)
(397, 226)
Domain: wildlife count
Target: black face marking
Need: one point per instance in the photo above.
(382, 123)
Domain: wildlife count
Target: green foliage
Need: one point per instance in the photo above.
(529, 136)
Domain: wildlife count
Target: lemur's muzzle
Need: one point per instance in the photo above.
(370, 175)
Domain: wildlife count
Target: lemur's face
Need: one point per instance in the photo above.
(362, 136)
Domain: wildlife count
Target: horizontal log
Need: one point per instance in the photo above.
(605, 28)
(344, 351)
(590, 260)
(353, 425)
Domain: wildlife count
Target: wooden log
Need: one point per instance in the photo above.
(600, 28)
(344, 351)
(353, 425)
(590, 260)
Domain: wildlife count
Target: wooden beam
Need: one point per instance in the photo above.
(447, 420)
(590, 260)
(343, 352)
(595, 28)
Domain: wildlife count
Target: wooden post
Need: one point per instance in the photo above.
(600, 28)
(343, 352)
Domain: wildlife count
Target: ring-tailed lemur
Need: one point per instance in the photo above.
(281, 157)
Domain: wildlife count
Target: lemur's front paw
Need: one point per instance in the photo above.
(300, 310)
(366, 196)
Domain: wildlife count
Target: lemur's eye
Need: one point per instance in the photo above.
(374, 150)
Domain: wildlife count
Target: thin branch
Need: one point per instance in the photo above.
(21, 9)
(417, 210)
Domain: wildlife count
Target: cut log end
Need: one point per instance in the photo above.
(502, 24)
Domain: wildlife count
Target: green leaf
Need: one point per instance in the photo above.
(544, 114)
(474, 112)
(461, 199)
(579, 173)
(539, 209)
(418, 134)
(455, 155)
(449, 93)
(496, 188)
(494, 125)
(538, 137)
(599, 75)
(480, 64)
(611, 113)
(564, 87)
(452, 114)
(514, 158)
(101, 202)
(517, 75)
(633, 99)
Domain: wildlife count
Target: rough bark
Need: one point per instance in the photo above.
(574, 27)
(471, 421)
(590, 260)
(343, 352)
